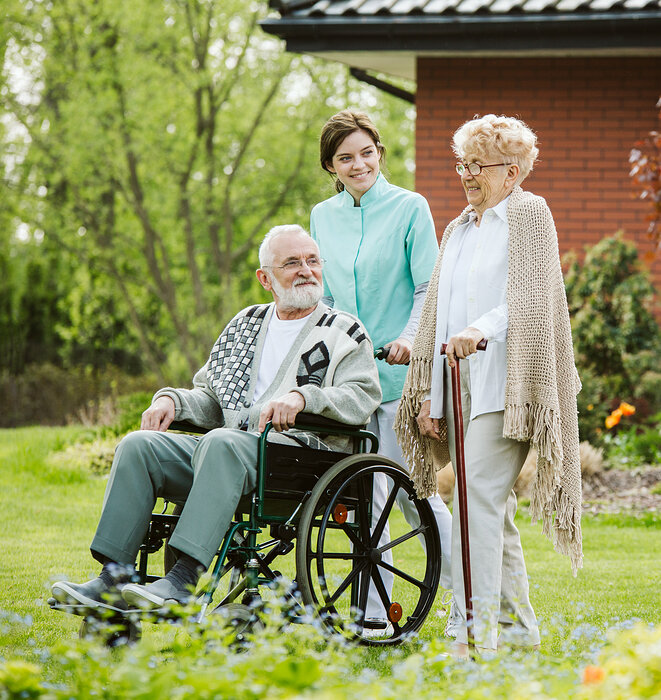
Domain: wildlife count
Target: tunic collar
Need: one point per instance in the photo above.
(374, 193)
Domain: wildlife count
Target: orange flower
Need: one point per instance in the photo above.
(627, 409)
(614, 418)
(593, 674)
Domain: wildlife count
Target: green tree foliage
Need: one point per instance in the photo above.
(151, 146)
(616, 337)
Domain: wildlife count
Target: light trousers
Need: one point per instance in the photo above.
(498, 571)
(381, 424)
(207, 474)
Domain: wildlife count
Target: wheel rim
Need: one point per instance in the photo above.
(339, 558)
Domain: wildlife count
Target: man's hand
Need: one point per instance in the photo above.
(400, 351)
(429, 427)
(159, 415)
(282, 411)
(462, 345)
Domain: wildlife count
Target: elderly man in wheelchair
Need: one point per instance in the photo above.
(270, 363)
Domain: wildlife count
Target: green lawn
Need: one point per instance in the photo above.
(48, 515)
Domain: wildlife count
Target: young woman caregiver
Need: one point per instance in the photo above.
(379, 246)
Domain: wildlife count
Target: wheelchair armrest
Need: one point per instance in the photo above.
(185, 427)
(314, 421)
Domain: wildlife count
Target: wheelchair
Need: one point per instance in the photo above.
(318, 505)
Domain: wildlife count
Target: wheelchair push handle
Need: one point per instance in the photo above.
(382, 354)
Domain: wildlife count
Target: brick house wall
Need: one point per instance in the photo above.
(587, 113)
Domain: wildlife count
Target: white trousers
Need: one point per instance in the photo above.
(381, 424)
(498, 571)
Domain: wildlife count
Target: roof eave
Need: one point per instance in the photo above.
(469, 33)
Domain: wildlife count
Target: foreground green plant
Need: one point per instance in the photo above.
(302, 661)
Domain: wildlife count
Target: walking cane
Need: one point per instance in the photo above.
(461, 490)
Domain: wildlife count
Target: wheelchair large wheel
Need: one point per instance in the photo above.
(342, 550)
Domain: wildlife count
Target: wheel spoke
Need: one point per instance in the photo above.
(385, 600)
(330, 601)
(404, 575)
(362, 512)
(355, 540)
(364, 588)
(383, 519)
(402, 538)
(338, 555)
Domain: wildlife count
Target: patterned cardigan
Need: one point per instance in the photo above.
(331, 363)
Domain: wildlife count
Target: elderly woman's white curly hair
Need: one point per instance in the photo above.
(487, 136)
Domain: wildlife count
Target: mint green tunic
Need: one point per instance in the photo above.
(376, 254)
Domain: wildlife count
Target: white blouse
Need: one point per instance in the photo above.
(472, 292)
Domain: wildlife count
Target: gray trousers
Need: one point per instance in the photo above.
(207, 474)
(498, 570)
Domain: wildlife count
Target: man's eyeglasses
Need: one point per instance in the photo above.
(313, 263)
(475, 168)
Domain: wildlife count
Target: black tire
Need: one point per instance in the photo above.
(115, 631)
(338, 553)
(241, 621)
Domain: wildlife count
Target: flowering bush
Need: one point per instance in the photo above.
(617, 340)
(624, 409)
(629, 667)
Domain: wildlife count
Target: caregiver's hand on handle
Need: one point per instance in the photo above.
(460, 346)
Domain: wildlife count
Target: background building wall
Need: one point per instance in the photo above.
(587, 113)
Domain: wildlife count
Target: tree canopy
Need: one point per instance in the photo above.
(148, 147)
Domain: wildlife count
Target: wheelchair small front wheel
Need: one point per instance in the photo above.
(240, 621)
(113, 632)
(371, 573)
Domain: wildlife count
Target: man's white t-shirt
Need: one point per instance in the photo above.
(280, 336)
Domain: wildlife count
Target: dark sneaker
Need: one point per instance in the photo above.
(154, 595)
(93, 594)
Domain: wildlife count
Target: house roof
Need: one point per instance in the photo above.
(388, 35)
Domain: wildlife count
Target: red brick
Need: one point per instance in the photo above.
(584, 110)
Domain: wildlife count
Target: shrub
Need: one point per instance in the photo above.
(49, 395)
(634, 446)
(616, 337)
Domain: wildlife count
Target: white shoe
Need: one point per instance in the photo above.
(454, 622)
(376, 627)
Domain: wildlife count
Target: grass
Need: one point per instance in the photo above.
(48, 515)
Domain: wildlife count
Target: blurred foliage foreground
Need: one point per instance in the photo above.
(300, 662)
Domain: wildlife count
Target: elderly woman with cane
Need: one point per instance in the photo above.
(497, 278)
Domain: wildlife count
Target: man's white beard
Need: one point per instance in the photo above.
(298, 296)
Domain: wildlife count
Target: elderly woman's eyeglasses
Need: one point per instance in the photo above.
(313, 263)
(474, 168)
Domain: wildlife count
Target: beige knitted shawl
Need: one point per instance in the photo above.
(542, 382)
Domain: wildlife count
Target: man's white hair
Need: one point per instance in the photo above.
(265, 254)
